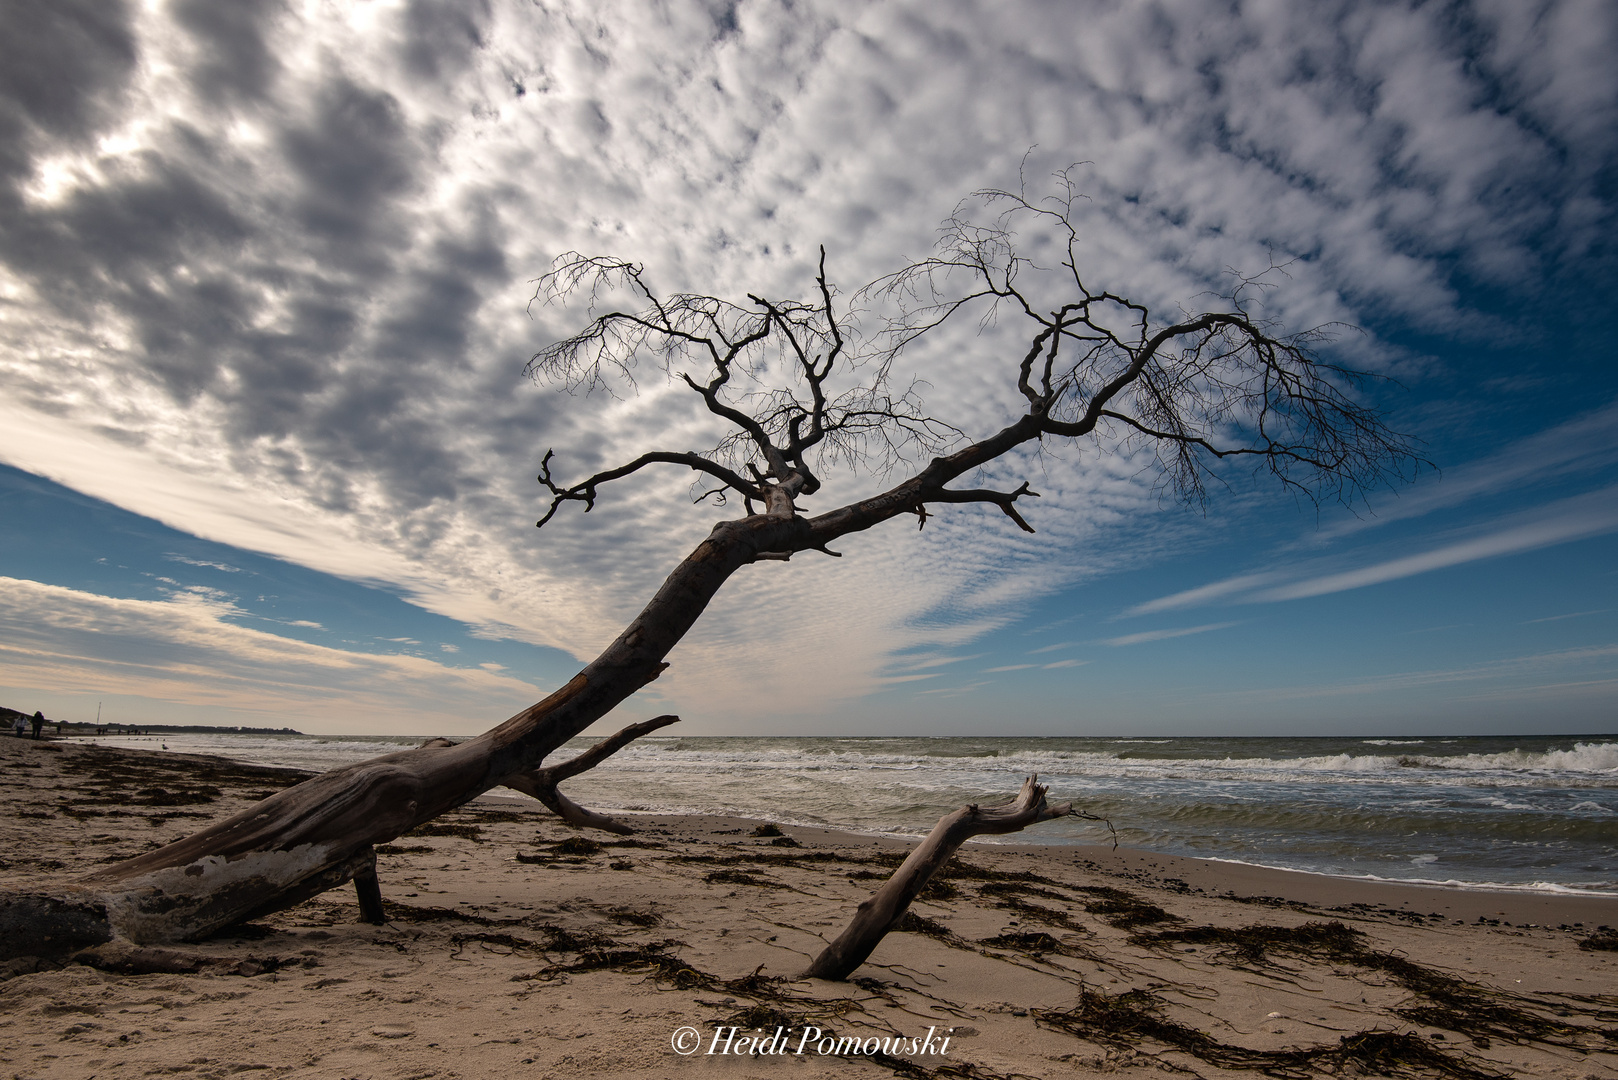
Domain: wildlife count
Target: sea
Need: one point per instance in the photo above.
(1502, 812)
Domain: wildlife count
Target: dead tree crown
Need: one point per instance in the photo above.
(1204, 389)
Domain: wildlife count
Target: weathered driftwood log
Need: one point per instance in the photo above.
(542, 783)
(878, 915)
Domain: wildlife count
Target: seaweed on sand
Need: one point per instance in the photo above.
(959, 870)
(503, 941)
(634, 918)
(569, 852)
(1442, 1001)
(759, 856)
(912, 923)
(397, 912)
(661, 966)
(1124, 1019)
(1123, 909)
(1040, 942)
(954, 1070)
(576, 845)
(1252, 944)
(762, 1016)
(1019, 888)
(558, 939)
(1040, 913)
(741, 877)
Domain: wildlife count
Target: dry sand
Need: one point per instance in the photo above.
(515, 950)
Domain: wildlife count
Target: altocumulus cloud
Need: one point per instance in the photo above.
(270, 260)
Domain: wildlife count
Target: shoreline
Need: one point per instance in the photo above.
(517, 946)
(855, 835)
(1468, 868)
(1250, 882)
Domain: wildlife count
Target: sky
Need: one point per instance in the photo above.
(267, 272)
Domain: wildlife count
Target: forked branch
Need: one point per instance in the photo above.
(1006, 500)
(542, 783)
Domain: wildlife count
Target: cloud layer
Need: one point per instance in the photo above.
(150, 654)
(264, 267)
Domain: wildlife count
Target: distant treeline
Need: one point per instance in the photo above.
(204, 729)
(9, 715)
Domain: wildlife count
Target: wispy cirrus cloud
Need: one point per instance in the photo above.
(1585, 444)
(1574, 518)
(1527, 674)
(1163, 635)
(1569, 615)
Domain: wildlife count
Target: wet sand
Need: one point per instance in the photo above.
(519, 947)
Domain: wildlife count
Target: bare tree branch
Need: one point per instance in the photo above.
(585, 490)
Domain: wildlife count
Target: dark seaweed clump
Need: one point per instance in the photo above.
(1123, 1019)
(650, 959)
(577, 845)
(911, 923)
(1027, 942)
(1123, 909)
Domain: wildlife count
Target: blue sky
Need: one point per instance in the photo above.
(268, 455)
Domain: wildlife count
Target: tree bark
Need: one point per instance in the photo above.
(368, 892)
(877, 915)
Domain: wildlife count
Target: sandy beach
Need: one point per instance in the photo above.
(516, 946)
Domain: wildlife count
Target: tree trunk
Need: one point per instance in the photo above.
(878, 915)
(320, 834)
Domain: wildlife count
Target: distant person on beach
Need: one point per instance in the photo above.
(21, 727)
(39, 722)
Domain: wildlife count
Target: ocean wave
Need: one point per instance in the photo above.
(1578, 888)
(1587, 764)
(1583, 758)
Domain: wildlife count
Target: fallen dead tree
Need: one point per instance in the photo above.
(798, 393)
